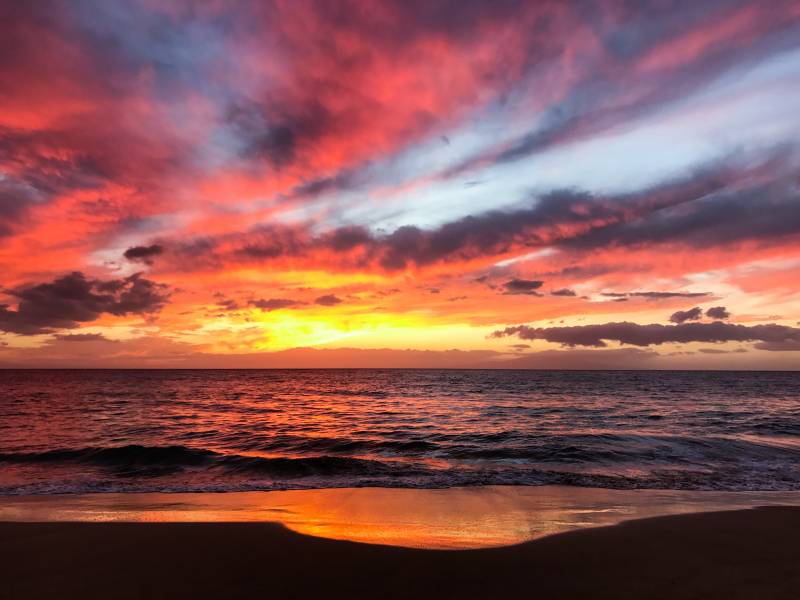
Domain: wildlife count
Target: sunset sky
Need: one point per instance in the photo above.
(223, 183)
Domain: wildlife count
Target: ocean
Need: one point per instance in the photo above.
(79, 431)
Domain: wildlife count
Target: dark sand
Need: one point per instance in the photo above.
(753, 554)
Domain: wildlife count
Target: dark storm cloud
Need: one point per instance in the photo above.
(73, 299)
(522, 286)
(328, 300)
(681, 316)
(654, 334)
(275, 303)
(143, 254)
(719, 313)
(563, 292)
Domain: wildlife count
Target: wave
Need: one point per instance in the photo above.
(132, 459)
(159, 460)
(347, 446)
(307, 466)
(608, 448)
(319, 472)
(310, 454)
(609, 460)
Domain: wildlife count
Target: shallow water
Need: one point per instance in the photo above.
(183, 431)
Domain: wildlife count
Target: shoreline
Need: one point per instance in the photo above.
(448, 518)
(732, 554)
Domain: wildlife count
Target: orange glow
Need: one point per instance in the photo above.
(375, 181)
(452, 519)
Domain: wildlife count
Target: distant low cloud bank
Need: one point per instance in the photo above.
(771, 336)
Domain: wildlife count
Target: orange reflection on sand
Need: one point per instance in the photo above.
(455, 518)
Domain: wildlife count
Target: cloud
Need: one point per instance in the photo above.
(731, 215)
(275, 303)
(276, 133)
(655, 295)
(81, 337)
(655, 334)
(233, 139)
(227, 303)
(719, 313)
(788, 345)
(681, 316)
(667, 58)
(706, 209)
(721, 351)
(73, 299)
(522, 286)
(662, 295)
(143, 254)
(328, 300)
(549, 218)
(617, 358)
(15, 199)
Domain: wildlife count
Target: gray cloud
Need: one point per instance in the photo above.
(81, 337)
(719, 313)
(328, 300)
(143, 254)
(655, 295)
(713, 207)
(721, 351)
(762, 212)
(593, 106)
(787, 345)
(634, 334)
(275, 303)
(681, 316)
(522, 286)
(227, 303)
(15, 199)
(73, 299)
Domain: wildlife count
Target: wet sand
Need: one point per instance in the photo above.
(734, 554)
(452, 518)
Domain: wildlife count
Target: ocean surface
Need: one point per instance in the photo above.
(231, 430)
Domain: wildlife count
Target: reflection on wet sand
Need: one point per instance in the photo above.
(453, 518)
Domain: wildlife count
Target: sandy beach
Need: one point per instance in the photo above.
(732, 554)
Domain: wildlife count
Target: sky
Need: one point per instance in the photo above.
(438, 183)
